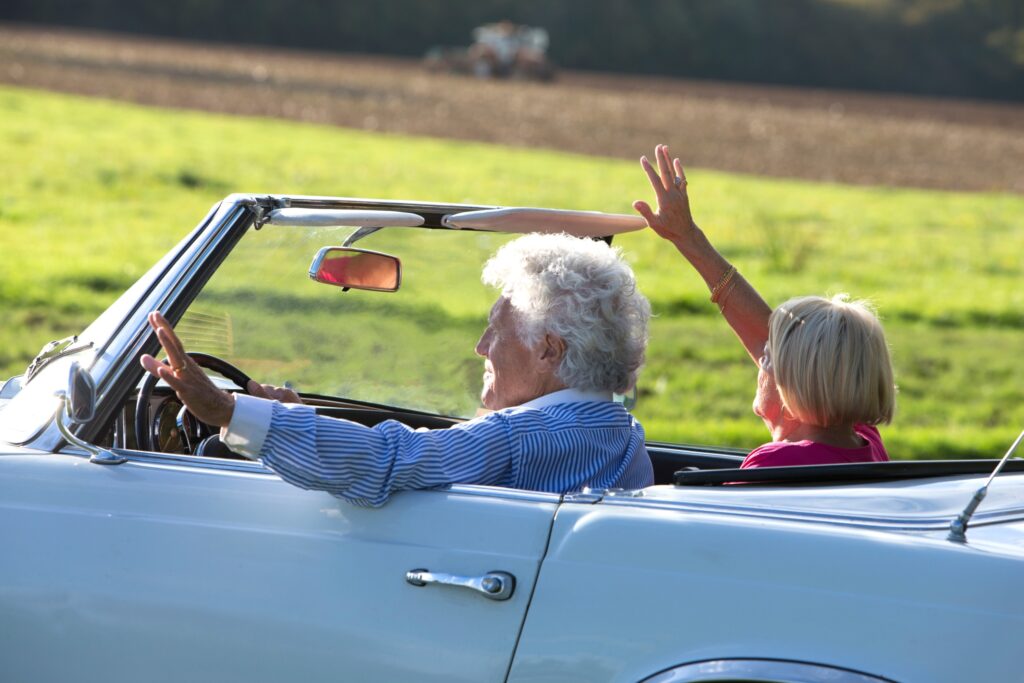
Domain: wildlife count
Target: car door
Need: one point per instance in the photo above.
(171, 568)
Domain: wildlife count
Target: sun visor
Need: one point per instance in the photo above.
(577, 223)
(351, 218)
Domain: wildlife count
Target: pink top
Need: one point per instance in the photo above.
(783, 453)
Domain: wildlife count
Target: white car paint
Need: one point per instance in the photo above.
(867, 581)
(156, 571)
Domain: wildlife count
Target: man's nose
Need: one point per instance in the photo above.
(481, 346)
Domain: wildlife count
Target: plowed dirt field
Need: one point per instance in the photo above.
(812, 134)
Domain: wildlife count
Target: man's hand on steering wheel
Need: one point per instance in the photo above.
(196, 391)
(282, 394)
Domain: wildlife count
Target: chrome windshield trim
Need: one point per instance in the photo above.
(182, 279)
(133, 336)
(365, 203)
(761, 671)
(115, 351)
(936, 523)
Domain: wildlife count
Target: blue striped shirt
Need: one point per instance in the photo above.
(558, 448)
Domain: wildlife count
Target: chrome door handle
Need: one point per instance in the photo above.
(492, 585)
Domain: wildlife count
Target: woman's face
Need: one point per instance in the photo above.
(767, 402)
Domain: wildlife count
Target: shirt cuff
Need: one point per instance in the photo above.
(249, 425)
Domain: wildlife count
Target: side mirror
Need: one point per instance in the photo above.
(78, 402)
(81, 397)
(348, 267)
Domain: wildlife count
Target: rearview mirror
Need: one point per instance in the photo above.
(357, 269)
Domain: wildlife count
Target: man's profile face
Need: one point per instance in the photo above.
(512, 371)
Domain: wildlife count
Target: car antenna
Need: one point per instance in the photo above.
(958, 528)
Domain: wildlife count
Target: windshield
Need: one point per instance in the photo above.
(411, 349)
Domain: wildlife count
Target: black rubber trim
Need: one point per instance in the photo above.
(845, 473)
(667, 460)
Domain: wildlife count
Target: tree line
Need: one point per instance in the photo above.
(967, 48)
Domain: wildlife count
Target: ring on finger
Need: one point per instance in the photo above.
(679, 181)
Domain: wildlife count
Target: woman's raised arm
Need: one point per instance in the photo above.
(743, 308)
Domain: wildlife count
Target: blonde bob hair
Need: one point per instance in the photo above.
(830, 361)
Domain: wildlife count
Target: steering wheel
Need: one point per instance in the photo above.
(143, 436)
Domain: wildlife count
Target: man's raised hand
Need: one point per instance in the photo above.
(182, 374)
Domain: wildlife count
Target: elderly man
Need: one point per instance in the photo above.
(568, 330)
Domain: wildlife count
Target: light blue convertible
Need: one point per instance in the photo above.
(136, 549)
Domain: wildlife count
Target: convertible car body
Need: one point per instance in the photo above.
(133, 549)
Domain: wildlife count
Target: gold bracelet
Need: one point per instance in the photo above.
(723, 295)
(717, 289)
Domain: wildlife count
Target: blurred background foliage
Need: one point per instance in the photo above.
(966, 48)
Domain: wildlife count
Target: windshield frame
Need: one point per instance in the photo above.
(121, 334)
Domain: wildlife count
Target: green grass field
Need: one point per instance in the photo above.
(94, 192)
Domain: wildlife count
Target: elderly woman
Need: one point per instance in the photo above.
(568, 330)
(825, 379)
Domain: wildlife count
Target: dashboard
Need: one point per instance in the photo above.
(172, 429)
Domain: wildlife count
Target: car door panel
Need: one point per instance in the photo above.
(174, 571)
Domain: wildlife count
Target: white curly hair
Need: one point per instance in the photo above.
(584, 292)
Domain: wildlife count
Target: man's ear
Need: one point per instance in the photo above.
(552, 350)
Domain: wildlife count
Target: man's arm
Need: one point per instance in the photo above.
(365, 465)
